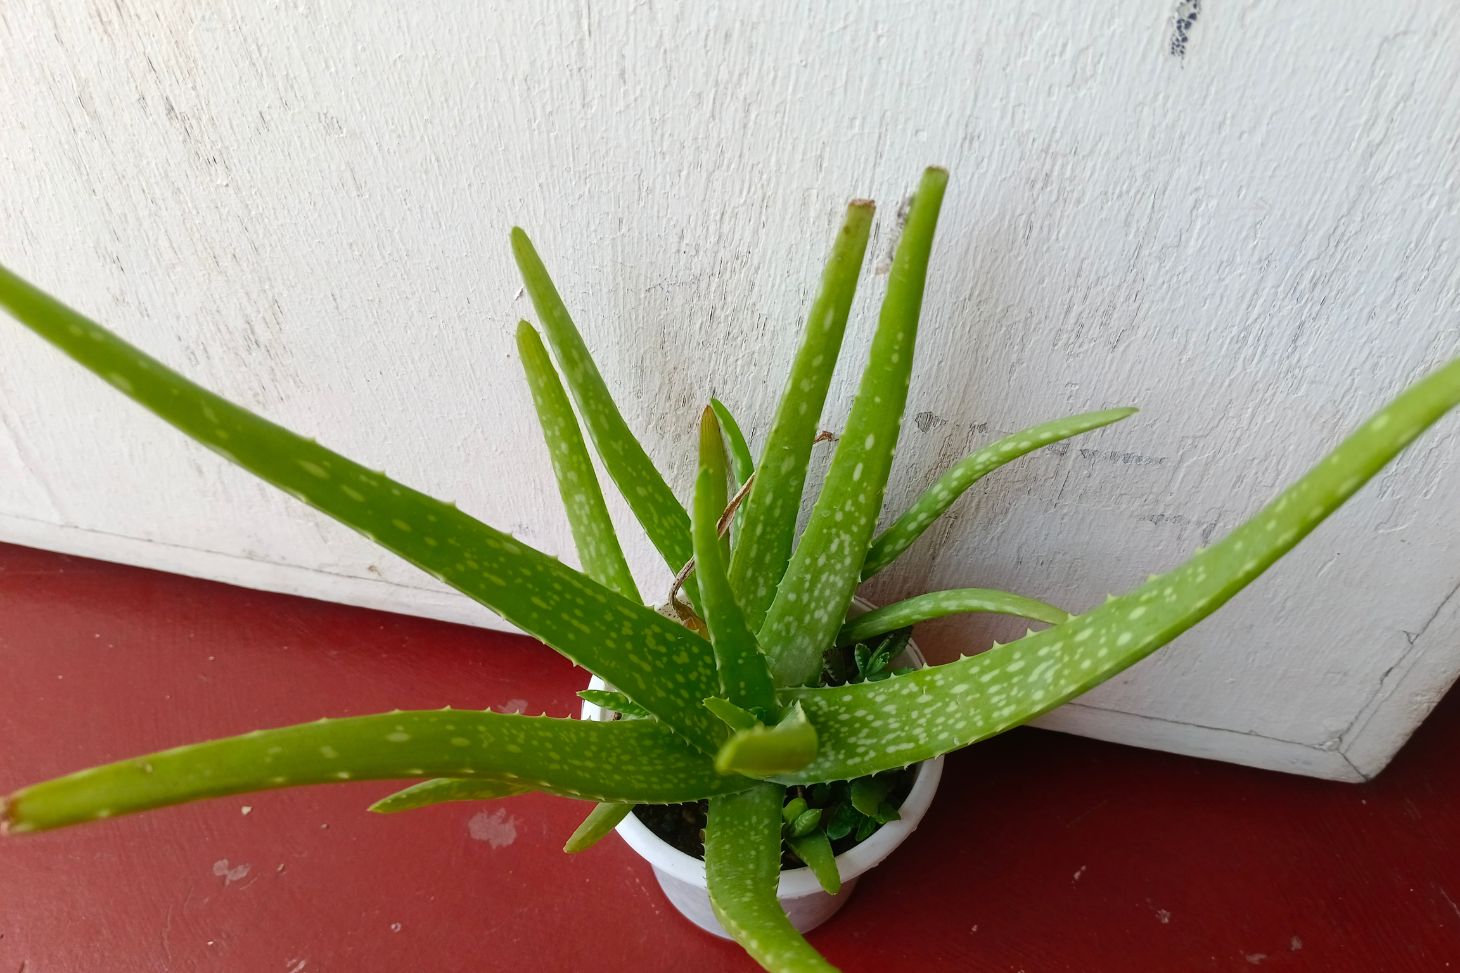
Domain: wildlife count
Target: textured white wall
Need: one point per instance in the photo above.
(1246, 225)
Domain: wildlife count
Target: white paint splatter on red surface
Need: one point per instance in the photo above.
(496, 828)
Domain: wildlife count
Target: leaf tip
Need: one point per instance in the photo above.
(8, 825)
(934, 177)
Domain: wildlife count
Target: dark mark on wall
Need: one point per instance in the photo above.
(1125, 459)
(1181, 23)
(928, 421)
(1207, 527)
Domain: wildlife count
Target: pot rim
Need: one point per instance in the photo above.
(794, 882)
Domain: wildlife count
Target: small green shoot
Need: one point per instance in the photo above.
(604, 817)
(733, 716)
(762, 751)
(613, 702)
(446, 790)
(814, 848)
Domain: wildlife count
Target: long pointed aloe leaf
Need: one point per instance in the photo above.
(600, 821)
(765, 751)
(813, 597)
(711, 495)
(935, 710)
(771, 509)
(444, 790)
(624, 760)
(968, 471)
(742, 465)
(640, 482)
(937, 604)
(593, 533)
(624, 642)
(744, 676)
(743, 870)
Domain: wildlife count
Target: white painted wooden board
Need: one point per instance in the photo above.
(1246, 225)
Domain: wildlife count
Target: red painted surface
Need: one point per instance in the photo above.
(1042, 852)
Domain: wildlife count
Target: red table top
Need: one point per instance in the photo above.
(1042, 851)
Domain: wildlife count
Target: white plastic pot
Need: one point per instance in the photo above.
(682, 877)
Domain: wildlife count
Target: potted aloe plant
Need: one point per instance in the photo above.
(756, 692)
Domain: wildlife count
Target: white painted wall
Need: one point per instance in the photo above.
(305, 207)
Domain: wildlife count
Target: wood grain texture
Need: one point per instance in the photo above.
(1256, 240)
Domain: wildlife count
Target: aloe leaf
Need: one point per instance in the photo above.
(742, 466)
(743, 870)
(844, 818)
(817, 588)
(869, 795)
(744, 678)
(968, 471)
(640, 482)
(931, 711)
(741, 463)
(876, 661)
(730, 714)
(599, 822)
(711, 495)
(937, 604)
(815, 850)
(622, 641)
(610, 700)
(763, 547)
(763, 751)
(444, 790)
(625, 760)
(803, 823)
(593, 533)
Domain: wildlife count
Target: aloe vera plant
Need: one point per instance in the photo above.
(757, 691)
